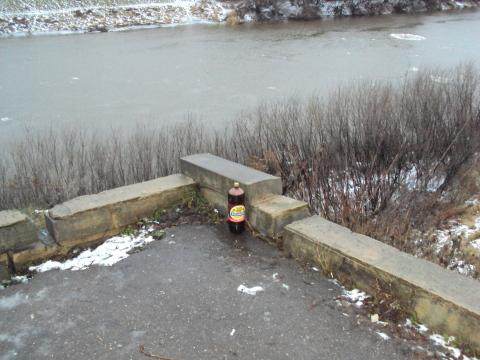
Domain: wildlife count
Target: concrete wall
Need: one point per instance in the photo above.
(267, 210)
(93, 217)
(86, 220)
(4, 267)
(217, 175)
(16, 231)
(444, 300)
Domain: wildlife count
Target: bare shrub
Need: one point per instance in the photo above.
(376, 157)
(48, 167)
(353, 155)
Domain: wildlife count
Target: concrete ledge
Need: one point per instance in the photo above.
(271, 215)
(267, 210)
(218, 175)
(36, 253)
(17, 231)
(219, 201)
(4, 267)
(446, 301)
(87, 219)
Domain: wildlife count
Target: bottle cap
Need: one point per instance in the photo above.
(236, 184)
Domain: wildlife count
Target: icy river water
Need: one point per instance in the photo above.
(213, 72)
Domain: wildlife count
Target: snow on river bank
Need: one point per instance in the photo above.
(25, 17)
(110, 18)
(457, 241)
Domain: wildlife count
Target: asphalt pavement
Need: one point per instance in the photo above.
(178, 298)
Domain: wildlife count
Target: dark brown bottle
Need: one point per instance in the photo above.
(236, 209)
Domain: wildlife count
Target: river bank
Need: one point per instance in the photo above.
(111, 16)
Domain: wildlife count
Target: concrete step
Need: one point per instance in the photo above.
(270, 216)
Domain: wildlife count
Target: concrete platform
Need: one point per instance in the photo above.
(179, 298)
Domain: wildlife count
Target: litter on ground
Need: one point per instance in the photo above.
(250, 291)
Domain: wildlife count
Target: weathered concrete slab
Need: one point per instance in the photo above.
(4, 267)
(35, 253)
(181, 302)
(271, 215)
(11, 217)
(17, 231)
(218, 175)
(87, 219)
(217, 200)
(446, 301)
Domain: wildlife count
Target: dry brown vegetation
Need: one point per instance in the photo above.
(387, 160)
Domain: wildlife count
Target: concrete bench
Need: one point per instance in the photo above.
(267, 210)
(90, 218)
(216, 176)
(270, 216)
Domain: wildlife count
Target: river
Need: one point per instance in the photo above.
(213, 72)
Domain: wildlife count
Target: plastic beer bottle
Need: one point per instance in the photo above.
(236, 209)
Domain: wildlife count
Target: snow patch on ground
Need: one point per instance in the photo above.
(383, 335)
(110, 252)
(441, 341)
(411, 178)
(409, 37)
(419, 327)
(473, 201)
(462, 267)
(20, 279)
(355, 296)
(249, 17)
(458, 229)
(250, 291)
(455, 229)
(445, 343)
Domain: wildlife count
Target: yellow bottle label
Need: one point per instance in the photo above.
(237, 213)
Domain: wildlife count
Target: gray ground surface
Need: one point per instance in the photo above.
(181, 301)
